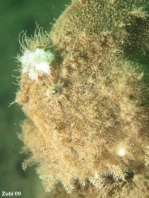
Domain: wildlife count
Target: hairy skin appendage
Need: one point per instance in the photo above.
(84, 89)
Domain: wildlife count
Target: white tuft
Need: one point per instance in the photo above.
(121, 152)
(36, 63)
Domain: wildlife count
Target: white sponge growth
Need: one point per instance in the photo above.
(36, 63)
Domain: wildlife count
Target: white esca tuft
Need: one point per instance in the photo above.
(36, 63)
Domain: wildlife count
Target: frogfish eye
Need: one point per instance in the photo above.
(54, 91)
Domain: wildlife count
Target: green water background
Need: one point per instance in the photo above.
(15, 16)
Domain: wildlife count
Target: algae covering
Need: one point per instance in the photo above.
(87, 123)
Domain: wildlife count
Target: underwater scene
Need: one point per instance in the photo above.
(74, 99)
